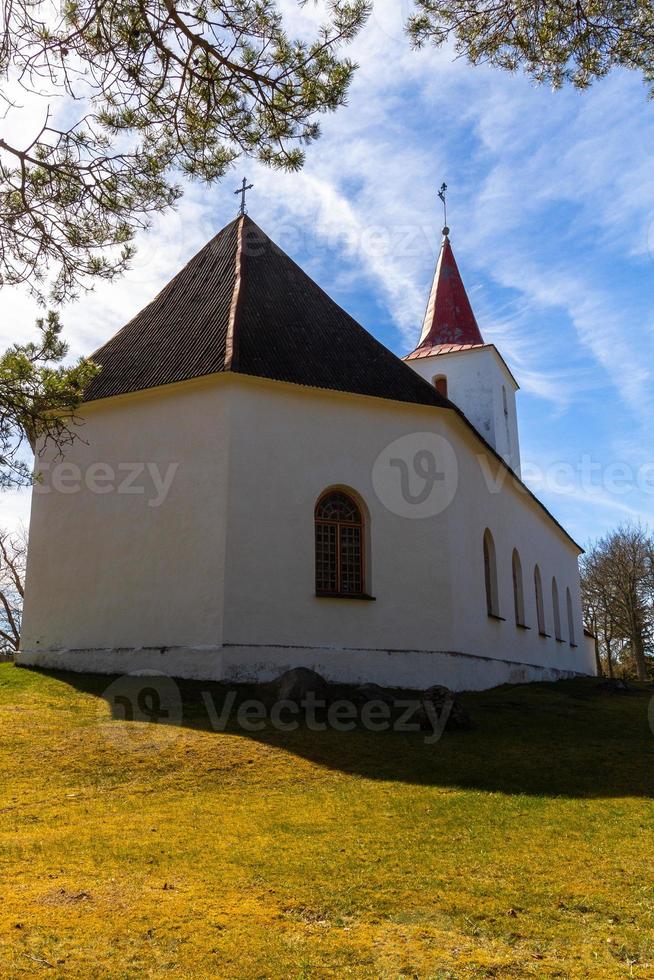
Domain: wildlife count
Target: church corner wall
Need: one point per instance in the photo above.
(127, 534)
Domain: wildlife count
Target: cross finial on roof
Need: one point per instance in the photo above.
(441, 194)
(242, 191)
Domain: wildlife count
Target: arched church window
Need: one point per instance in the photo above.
(556, 609)
(440, 384)
(518, 591)
(490, 574)
(540, 609)
(339, 545)
(571, 620)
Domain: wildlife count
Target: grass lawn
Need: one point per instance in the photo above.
(522, 848)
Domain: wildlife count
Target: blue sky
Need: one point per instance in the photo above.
(551, 209)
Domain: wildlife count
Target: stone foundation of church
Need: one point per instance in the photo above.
(416, 669)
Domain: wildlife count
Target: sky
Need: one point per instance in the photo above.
(551, 211)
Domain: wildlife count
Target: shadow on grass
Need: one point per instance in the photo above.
(565, 739)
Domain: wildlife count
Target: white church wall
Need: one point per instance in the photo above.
(288, 446)
(516, 522)
(218, 581)
(427, 575)
(110, 567)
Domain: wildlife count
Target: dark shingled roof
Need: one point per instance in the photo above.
(242, 305)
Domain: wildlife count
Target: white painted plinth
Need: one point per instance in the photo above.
(417, 669)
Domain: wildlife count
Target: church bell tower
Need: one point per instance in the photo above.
(452, 355)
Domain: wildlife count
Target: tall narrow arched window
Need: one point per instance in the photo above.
(556, 610)
(440, 384)
(518, 591)
(540, 609)
(339, 545)
(571, 621)
(490, 574)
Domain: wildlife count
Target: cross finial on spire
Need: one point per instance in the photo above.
(441, 194)
(242, 191)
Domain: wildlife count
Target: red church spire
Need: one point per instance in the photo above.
(449, 320)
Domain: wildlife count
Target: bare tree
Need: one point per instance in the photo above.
(618, 594)
(599, 606)
(13, 558)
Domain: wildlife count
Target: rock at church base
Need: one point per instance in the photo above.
(441, 699)
(299, 682)
(295, 684)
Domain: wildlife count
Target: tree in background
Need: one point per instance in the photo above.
(555, 41)
(13, 557)
(151, 90)
(617, 576)
(39, 397)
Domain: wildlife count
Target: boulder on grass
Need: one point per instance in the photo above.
(614, 685)
(295, 684)
(442, 699)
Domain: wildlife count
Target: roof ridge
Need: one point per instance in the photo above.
(231, 340)
(164, 291)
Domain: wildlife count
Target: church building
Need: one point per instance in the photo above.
(260, 484)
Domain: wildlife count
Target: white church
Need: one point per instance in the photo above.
(260, 484)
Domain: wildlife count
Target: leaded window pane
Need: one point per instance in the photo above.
(337, 506)
(339, 545)
(350, 559)
(326, 558)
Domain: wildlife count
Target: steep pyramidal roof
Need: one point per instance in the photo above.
(242, 305)
(449, 321)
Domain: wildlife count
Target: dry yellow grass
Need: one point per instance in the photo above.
(523, 848)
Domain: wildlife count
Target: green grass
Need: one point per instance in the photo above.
(522, 848)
